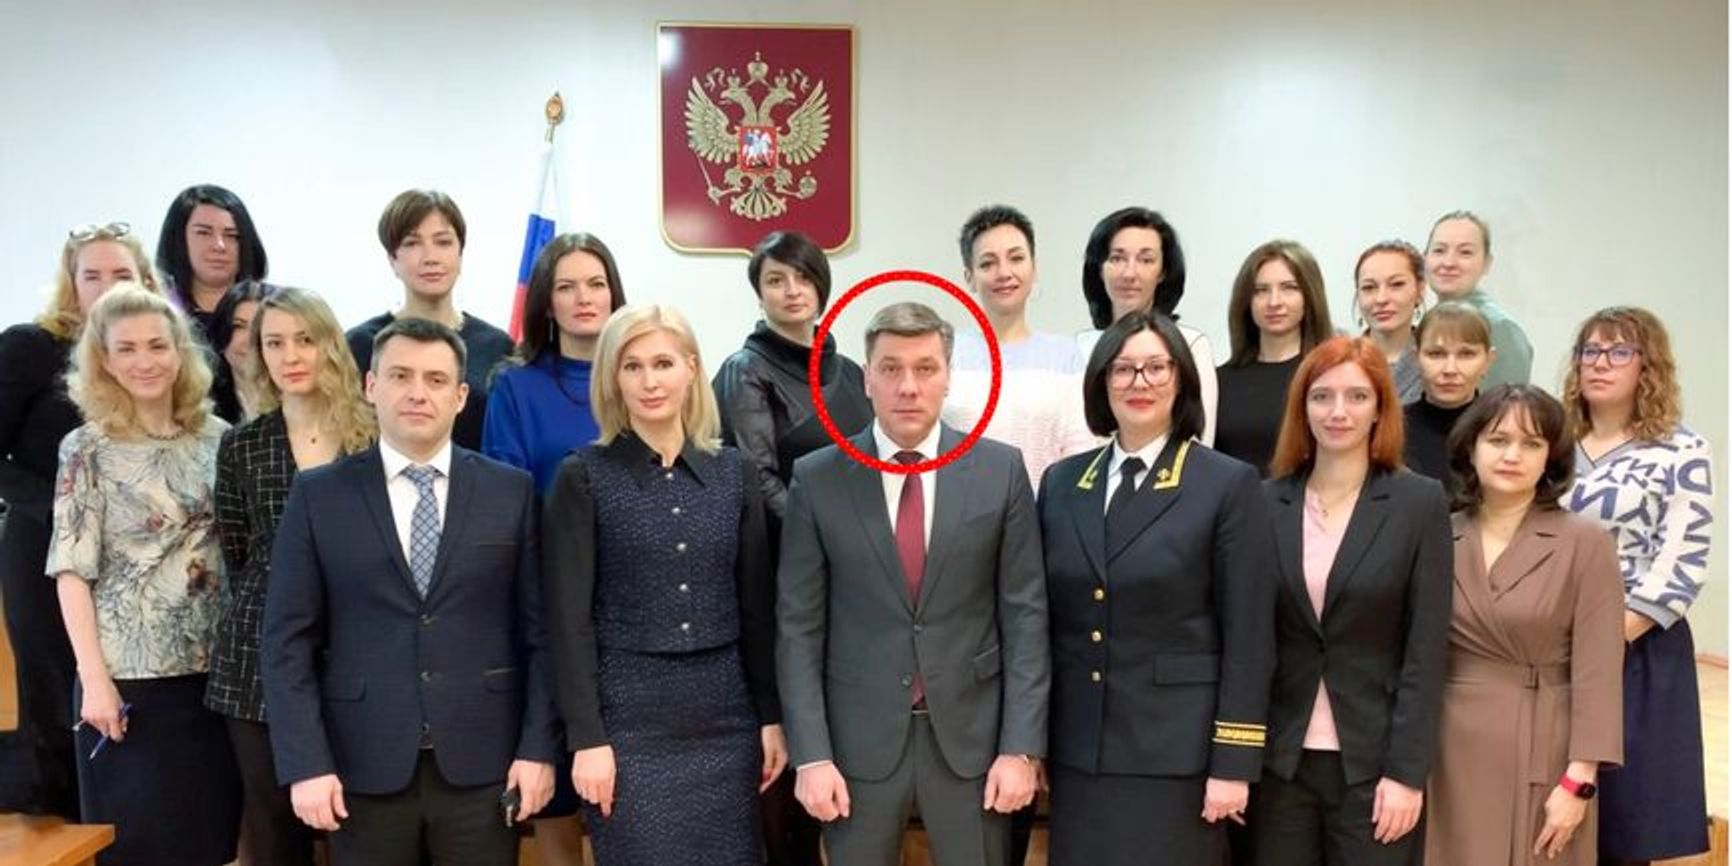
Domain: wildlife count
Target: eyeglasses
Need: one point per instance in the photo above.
(92, 231)
(1155, 371)
(1617, 355)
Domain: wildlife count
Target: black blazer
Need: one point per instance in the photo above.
(1383, 635)
(354, 660)
(1162, 647)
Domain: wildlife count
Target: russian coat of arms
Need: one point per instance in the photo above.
(763, 127)
(756, 134)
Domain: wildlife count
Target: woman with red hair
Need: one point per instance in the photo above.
(1361, 622)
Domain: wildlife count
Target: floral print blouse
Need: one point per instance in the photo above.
(134, 518)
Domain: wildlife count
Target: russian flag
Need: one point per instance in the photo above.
(536, 235)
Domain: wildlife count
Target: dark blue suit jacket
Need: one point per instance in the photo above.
(354, 660)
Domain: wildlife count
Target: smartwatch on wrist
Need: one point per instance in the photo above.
(1584, 790)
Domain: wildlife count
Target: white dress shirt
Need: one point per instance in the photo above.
(928, 449)
(1147, 453)
(403, 492)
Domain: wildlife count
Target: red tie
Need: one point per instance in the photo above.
(911, 546)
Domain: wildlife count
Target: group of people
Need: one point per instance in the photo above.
(1344, 599)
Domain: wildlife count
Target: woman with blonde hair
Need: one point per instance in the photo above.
(137, 564)
(35, 414)
(662, 600)
(312, 412)
(1649, 480)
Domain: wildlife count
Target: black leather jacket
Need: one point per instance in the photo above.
(767, 410)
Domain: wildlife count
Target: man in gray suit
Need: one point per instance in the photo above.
(912, 653)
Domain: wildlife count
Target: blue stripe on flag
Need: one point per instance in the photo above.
(536, 236)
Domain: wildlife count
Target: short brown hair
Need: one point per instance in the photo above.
(909, 319)
(1546, 415)
(1456, 319)
(405, 213)
(422, 331)
(1296, 450)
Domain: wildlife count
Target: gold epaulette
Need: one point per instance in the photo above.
(1239, 734)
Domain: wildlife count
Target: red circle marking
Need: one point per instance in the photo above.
(815, 382)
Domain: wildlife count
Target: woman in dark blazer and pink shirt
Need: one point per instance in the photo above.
(1361, 622)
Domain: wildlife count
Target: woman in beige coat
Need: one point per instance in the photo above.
(1532, 702)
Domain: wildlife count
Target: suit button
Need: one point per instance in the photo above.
(1095, 676)
(907, 680)
(669, 476)
(685, 587)
(676, 510)
(1100, 594)
(918, 628)
(426, 676)
(685, 627)
(426, 619)
(680, 548)
(1095, 636)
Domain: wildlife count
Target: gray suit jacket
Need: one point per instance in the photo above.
(850, 641)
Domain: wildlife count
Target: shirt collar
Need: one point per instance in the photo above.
(396, 461)
(887, 447)
(643, 462)
(1147, 454)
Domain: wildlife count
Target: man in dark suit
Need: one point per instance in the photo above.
(404, 654)
(912, 654)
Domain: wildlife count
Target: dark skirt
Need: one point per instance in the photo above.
(1109, 820)
(1655, 806)
(170, 788)
(685, 742)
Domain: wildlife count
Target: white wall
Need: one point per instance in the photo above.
(1592, 134)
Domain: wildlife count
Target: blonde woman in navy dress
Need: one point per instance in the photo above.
(662, 595)
(1650, 481)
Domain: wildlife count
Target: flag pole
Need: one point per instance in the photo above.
(541, 225)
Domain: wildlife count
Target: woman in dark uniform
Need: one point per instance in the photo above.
(35, 414)
(662, 599)
(1160, 602)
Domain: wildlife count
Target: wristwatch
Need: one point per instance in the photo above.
(1584, 790)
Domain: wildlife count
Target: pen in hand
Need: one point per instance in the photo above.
(103, 738)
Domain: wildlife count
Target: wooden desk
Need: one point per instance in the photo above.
(32, 841)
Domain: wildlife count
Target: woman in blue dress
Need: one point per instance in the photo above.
(661, 592)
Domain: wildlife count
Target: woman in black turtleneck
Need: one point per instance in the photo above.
(1455, 352)
(767, 412)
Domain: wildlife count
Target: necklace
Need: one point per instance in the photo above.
(1325, 506)
(169, 437)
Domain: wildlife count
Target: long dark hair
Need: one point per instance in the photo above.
(172, 260)
(538, 298)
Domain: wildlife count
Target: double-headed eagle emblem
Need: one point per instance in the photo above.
(757, 151)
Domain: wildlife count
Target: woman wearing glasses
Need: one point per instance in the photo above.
(1361, 624)
(207, 244)
(138, 569)
(1157, 559)
(1649, 480)
(35, 414)
(1133, 262)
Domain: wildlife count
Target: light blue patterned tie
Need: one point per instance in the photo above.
(423, 527)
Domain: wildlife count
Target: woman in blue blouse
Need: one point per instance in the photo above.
(538, 410)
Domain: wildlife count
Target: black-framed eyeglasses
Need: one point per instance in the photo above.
(1155, 371)
(92, 231)
(1617, 354)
